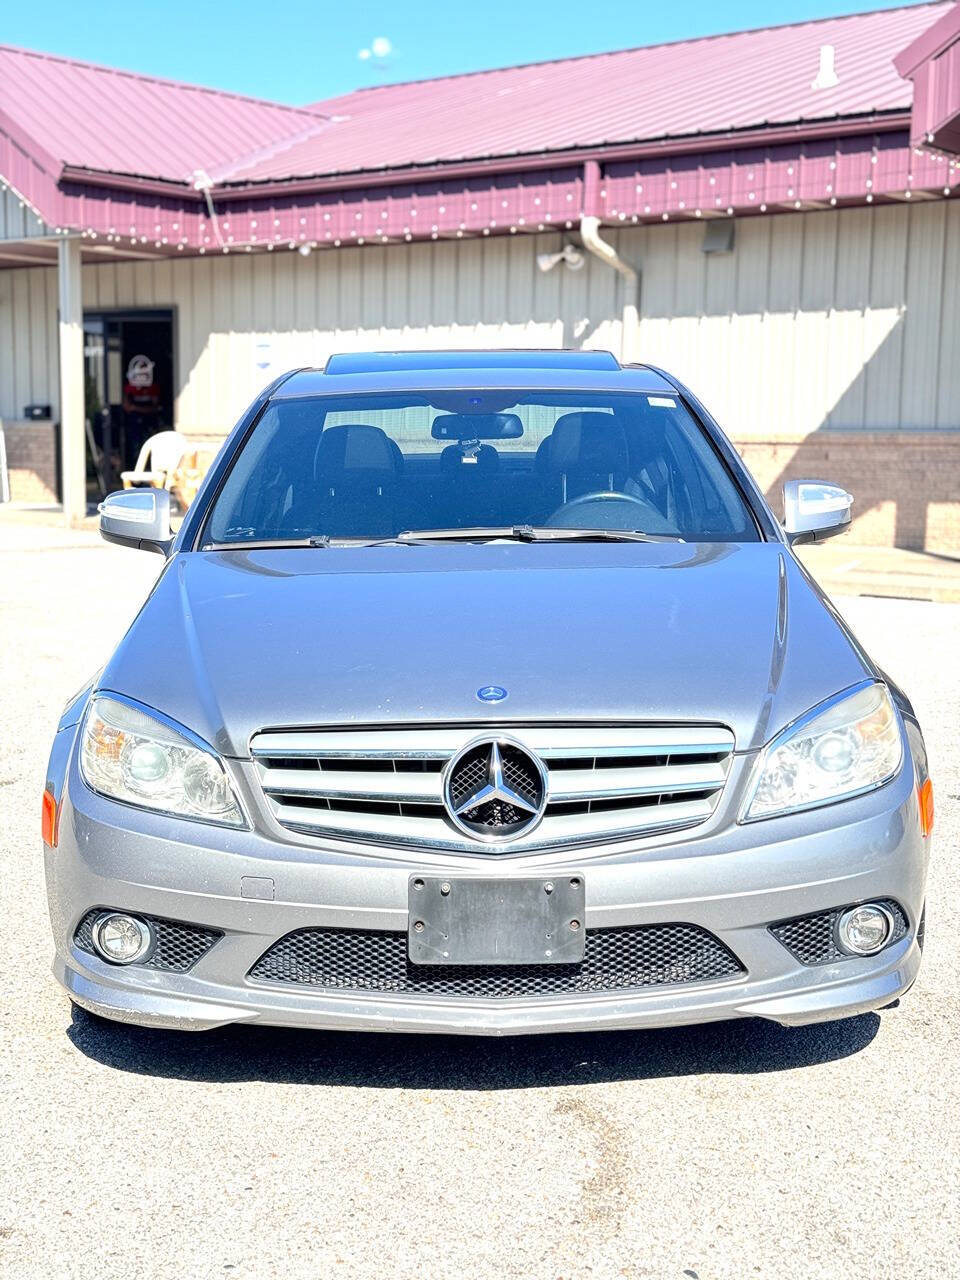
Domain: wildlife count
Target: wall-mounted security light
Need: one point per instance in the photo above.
(569, 255)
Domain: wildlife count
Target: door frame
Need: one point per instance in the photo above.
(155, 313)
(147, 313)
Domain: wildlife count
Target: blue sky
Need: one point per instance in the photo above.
(296, 51)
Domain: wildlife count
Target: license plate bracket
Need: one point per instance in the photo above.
(484, 920)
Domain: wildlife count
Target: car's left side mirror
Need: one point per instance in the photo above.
(814, 510)
(137, 518)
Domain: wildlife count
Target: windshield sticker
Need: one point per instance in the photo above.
(661, 402)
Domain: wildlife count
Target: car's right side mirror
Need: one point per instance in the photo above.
(137, 518)
(814, 510)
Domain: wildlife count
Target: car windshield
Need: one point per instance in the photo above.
(477, 464)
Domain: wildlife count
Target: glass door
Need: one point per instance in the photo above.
(128, 368)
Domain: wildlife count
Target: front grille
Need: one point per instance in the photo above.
(178, 945)
(386, 786)
(619, 959)
(813, 939)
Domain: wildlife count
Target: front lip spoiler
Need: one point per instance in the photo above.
(847, 995)
(148, 1010)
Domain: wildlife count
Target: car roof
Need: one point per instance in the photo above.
(554, 370)
(497, 358)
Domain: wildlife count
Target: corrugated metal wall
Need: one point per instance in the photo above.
(17, 220)
(844, 318)
(29, 359)
(838, 319)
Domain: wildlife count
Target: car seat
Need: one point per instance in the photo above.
(587, 450)
(356, 469)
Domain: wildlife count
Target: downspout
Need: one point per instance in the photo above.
(590, 235)
(203, 183)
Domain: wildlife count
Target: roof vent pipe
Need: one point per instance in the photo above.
(827, 75)
(590, 235)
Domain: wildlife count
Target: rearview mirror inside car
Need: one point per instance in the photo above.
(814, 510)
(137, 518)
(477, 426)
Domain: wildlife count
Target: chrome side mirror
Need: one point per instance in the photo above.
(137, 518)
(814, 510)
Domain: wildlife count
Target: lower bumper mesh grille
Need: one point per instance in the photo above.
(178, 945)
(813, 939)
(618, 959)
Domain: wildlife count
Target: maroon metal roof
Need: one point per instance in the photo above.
(708, 127)
(932, 62)
(97, 118)
(694, 87)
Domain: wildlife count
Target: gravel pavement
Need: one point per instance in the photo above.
(737, 1150)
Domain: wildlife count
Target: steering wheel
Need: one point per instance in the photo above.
(605, 504)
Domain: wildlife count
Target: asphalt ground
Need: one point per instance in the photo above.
(736, 1150)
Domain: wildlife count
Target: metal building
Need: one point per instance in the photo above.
(774, 215)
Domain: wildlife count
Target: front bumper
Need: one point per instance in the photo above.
(189, 1004)
(732, 881)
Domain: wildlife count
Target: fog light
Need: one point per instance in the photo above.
(865, 930)
(122, 939)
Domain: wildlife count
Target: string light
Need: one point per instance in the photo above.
(369, 221)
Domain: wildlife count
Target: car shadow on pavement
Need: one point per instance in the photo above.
(392, 1061)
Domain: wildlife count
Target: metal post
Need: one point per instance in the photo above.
(73, 454)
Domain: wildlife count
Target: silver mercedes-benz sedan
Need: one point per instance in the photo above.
(482, 692)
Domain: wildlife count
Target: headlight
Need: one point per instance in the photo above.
(132, 756)
(850, 745)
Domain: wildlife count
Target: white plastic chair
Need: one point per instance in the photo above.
(159, 458)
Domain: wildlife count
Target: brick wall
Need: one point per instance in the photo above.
(906, 484)
(32, 461)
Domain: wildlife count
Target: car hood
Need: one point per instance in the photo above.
(233, 642)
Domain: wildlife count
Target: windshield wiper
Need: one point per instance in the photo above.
(271, 544)
(523, 533)
(527, 533)
(420, 537)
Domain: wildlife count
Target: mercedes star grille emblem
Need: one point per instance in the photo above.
(495, 789)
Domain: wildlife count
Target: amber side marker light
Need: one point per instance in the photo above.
(48, 820)
(925, 795)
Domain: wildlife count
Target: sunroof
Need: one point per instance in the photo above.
(399, 361)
